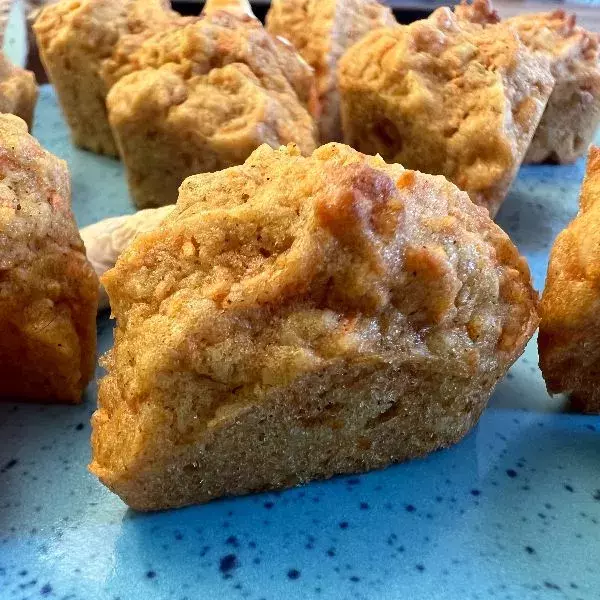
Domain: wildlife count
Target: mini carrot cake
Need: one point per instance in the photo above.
(572, 114)
(297, 317)
(446, 96)
(48, 289)
(569, 339)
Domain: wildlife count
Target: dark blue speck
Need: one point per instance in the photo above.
(227, 564)
(9, 465)
(46, 589)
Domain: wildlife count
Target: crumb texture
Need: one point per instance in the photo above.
(298, 317)
(48, 290)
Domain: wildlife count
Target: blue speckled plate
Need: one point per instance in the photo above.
(510, 513)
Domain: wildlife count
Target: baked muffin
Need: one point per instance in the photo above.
(322, 30)
(74, 38)
(569, 338)
(202, 97)
(446, 96)
(48, 290)
(294, 318)
(18, 91)
(572, 115)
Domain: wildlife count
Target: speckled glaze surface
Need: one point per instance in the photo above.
(513, 512)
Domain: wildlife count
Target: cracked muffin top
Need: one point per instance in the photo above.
(555, 32)
(573, 50)
(97, 25)
(203, 97)
(286, 265)
(296, 317)
(214, 41)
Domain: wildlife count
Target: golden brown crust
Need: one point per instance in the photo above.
(18, 91)
(201, 98)
(48, 290)
(74, 39)
(569, 342)
(322, 30)
(444, 95)
(299, 317)
(572, 114)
